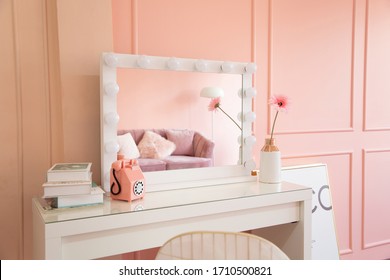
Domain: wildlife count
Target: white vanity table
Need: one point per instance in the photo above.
(117, 227)
(222, 198)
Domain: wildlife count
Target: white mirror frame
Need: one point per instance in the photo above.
(171, 179)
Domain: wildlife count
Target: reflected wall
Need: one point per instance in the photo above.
(155, 99)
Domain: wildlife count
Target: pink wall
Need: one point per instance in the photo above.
(49, 101)
(171, 100)
(330, 56)
(176, 102)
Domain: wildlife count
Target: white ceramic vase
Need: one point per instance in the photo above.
(270, 163)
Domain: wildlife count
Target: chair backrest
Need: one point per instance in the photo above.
(208, 245)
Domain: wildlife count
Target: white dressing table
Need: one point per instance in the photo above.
(117, 227)
(222, 198)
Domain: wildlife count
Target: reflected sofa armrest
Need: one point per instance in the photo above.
(203, 147)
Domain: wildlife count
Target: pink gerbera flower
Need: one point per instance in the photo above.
(214, 104)
(281, 104)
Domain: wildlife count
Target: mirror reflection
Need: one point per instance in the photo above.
(169, 103)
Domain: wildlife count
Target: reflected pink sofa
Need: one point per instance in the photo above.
(200, 155)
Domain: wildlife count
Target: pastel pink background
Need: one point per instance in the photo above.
(171, 100)
(331, 57)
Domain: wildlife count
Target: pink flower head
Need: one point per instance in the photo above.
(214, 104)
(280, 103)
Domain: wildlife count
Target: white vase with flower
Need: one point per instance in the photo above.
(270, 157)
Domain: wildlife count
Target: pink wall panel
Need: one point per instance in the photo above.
(377, 113)
(311, 63)
(11, 216)
(315, 54)
(376, 193)
(123, 26)
(218, 29)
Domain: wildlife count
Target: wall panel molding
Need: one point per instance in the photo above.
(134, 21)
(253, 33)
(19, 123)
(311, 131)
(323, 125)
(377, 24)
(53, 84)
(366, 188)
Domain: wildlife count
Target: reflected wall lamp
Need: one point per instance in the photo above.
(215, 93)
(212, 92)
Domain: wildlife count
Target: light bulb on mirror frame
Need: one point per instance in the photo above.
(111, 60)
(250, 140)
(173, 63)
(143, 61)
(250, 117)
(250, 92)
(227, 67)
(251, 68)
(111, 147)
(111, 118)
(201, 65)
(111, 89)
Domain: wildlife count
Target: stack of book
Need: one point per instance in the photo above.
(70, 185)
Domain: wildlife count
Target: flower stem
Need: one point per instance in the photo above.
(229, 117)
(273, 125)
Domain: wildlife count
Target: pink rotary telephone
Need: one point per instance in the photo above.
(126, 180)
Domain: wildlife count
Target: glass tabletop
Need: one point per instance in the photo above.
(165, 199)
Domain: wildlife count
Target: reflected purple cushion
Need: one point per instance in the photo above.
(183, 139)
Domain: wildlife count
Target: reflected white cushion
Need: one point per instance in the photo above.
(127, 146)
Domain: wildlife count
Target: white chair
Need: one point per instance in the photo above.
(209, 245)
